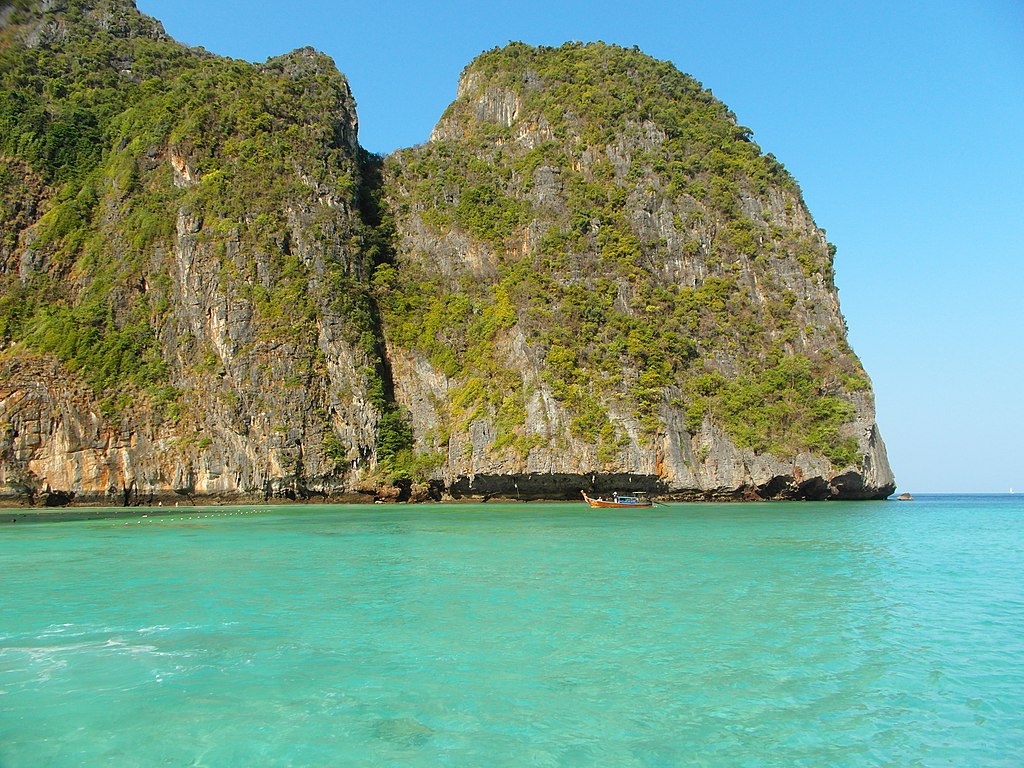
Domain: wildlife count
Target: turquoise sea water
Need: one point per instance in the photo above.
(833, 634)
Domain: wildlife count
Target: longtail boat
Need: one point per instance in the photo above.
(619, 501)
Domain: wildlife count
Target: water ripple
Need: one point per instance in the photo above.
(752, 635)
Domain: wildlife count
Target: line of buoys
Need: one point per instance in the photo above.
(163, 519)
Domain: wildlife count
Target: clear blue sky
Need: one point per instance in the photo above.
(902, 121)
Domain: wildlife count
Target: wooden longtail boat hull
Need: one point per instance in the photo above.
(624, 502)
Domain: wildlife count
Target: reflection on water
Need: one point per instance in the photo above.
(767, 634)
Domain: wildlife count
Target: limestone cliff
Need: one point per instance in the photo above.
(598, 273)
(183, 268)
(589, 277)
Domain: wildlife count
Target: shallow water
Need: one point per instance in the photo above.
(842, 634)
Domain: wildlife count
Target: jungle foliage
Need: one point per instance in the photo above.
(618, 175)
(119, 132)
(552, 198)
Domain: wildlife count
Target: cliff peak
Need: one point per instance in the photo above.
(590, 277)
(687, 293)
(54, 22)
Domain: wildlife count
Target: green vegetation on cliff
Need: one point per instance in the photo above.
(621, 221)
(139, 151)
(62, 109)
(589, 240)
(233, 128)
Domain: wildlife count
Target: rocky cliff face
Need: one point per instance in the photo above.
(601, 281)
(185, 306)
(208, 290)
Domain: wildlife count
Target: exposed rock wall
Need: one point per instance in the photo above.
(682, 246)
(304, 326)
(263, 390)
